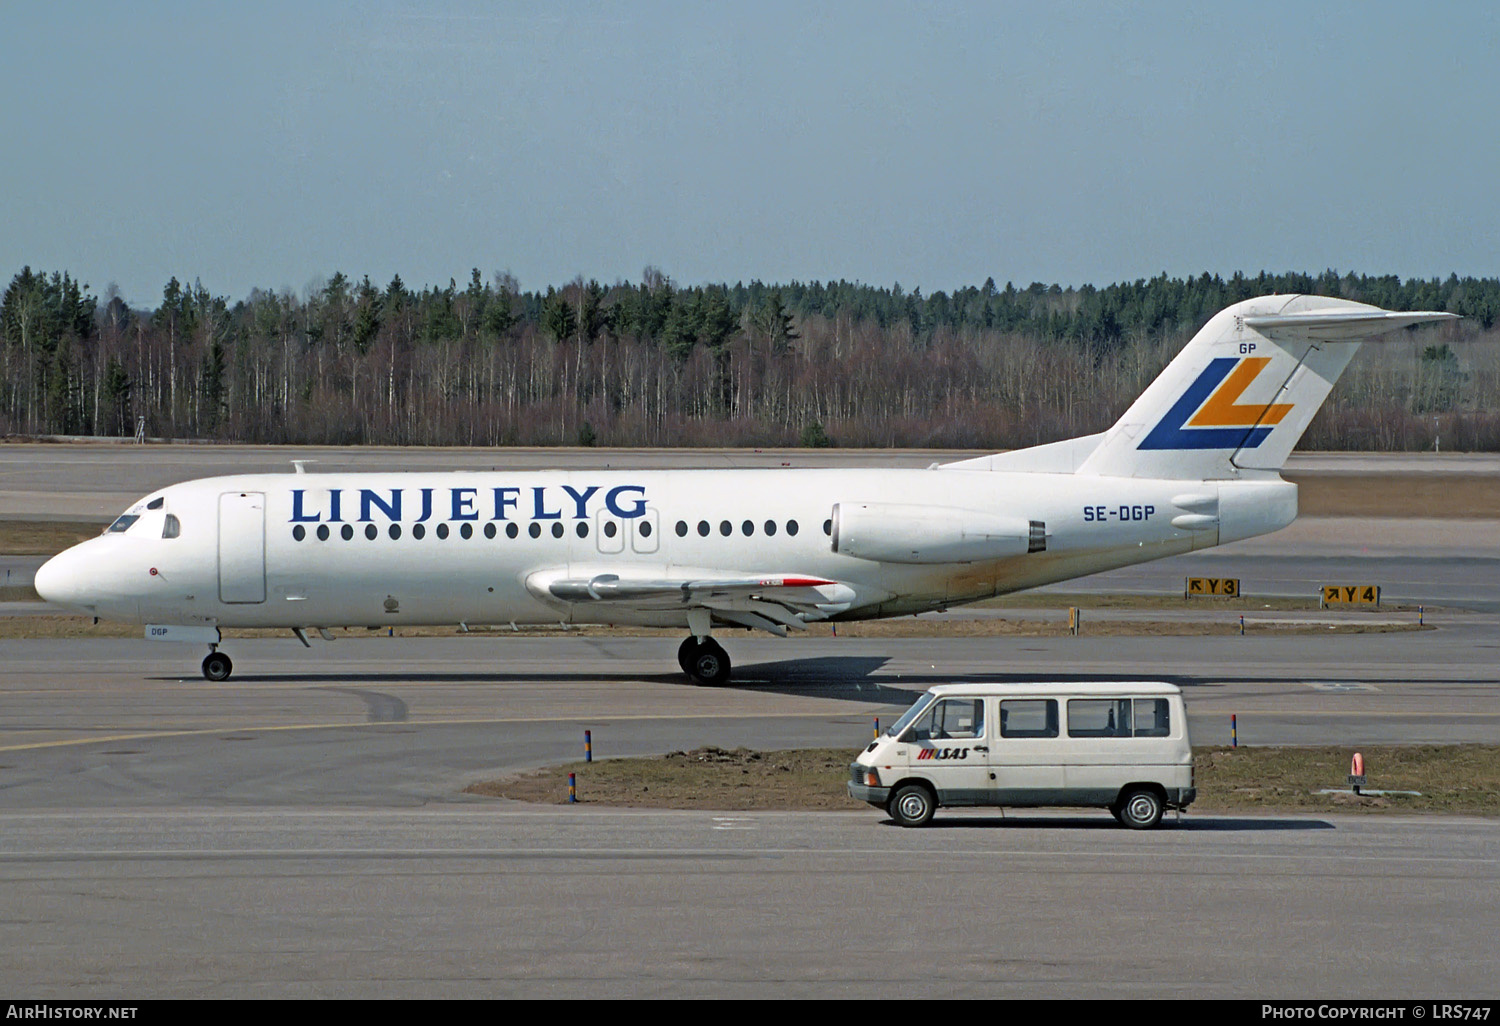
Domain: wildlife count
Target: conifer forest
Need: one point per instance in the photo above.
(654, 363)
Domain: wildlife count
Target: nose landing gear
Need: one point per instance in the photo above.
(704, 660)
(217, 666)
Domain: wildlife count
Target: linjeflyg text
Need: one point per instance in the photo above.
(537, 502)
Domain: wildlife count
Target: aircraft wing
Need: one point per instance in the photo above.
(772, 602)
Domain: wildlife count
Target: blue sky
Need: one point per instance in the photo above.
(934, 144)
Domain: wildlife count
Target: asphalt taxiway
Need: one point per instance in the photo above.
(529, 902)
(402, 721)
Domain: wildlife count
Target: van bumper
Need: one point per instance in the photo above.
(877, 796)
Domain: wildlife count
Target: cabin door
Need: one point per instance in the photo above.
(242, 547)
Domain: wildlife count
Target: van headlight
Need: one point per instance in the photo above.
(869, 777)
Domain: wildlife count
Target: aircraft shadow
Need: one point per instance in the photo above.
(844, 677)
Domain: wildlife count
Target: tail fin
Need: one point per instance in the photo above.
(1242, 392)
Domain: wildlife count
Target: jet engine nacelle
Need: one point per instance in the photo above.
(889, 532)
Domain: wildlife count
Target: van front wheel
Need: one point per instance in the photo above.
(1140, 808)
(911, 805)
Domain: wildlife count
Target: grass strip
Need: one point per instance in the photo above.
(1451, 779)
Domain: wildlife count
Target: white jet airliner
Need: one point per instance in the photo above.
(1193, 463)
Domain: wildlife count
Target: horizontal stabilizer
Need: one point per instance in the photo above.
(1339, 325)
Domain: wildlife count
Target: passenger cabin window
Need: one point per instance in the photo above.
(949, 719)
(121, 525)
(1028, 717)
(171, 527)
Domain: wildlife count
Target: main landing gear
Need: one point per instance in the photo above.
(216, 665)
(704, 660)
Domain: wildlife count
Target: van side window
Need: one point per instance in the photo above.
(1028, 717)
(1119, 717)
(1099, 717)
(948, 719)
(171, 527)
(1152, 718)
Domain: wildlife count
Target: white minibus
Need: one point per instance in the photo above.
(1117, 746)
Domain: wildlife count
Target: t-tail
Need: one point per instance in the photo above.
(1241, 393)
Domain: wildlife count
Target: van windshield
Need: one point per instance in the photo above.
(917, 709)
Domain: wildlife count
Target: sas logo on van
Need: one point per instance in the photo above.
(942, 753)
(1210, 415)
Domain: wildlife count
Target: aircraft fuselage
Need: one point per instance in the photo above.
(324, 550)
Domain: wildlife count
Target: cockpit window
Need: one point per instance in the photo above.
(156, 503)
(123, 524)
(171, 528)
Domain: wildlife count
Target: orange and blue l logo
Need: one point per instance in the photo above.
(1210, 416)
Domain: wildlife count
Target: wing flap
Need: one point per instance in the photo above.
(788, 599)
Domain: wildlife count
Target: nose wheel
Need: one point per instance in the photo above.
(705, 661)
(217, 666)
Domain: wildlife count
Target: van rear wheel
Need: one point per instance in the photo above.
(1140, 808)
(911, 805)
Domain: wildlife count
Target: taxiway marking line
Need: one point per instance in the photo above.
(152, 735)
(597, 718)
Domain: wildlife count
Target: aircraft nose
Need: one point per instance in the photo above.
(58, 580)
